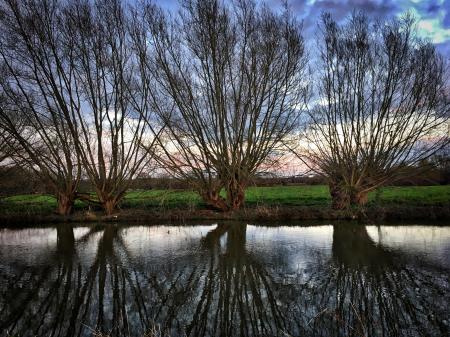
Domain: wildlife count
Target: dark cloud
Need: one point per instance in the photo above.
(309, 11)
(446, 22)
(433, 7)
(341, 9)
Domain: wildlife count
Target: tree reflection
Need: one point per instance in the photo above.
(369, 290)
(223, 288)
(237, 297)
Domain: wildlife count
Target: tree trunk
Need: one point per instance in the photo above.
(235, 195)
(109, 200)
(343, 197)
(214, 200)
(65, 203)
(359, 198)
(234, 200)
(109, 205)
(340, 198)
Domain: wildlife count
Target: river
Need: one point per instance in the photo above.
(225, 279)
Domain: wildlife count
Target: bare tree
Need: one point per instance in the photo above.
(107, 109)
(33, 130)
(45, 152)
(231, 83)
(382, 105)
(81, 65)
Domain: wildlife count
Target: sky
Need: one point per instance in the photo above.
(433, 15)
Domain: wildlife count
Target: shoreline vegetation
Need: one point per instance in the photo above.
(305, 202)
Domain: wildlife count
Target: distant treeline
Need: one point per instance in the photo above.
(18, 180)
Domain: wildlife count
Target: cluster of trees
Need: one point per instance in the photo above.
(104, 89)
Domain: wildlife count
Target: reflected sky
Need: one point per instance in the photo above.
(429, 242)
(225, 279)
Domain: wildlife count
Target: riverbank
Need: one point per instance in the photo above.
(371, 214)
(262, 204)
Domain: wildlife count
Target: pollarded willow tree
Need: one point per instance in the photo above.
(231, 84)
(80, 69)
(109, 112)
(33, 131)
(383, 105)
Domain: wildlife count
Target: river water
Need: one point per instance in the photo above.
(226, 279)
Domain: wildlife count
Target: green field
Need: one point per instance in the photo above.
(315, 196)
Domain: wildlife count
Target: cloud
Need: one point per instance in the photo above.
(433, 15)
(446, 21)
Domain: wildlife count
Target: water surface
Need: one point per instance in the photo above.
(225, 280)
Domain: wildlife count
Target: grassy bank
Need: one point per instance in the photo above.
(277, 201)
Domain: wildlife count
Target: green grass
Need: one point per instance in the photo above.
(276, 195)
(418, 195)
(32, 203)
(161, 198)
(316, 196)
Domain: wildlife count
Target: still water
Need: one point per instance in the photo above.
(225, 280)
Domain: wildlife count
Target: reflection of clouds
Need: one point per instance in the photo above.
(38, 246)
(290, 250)
(157, 241)
(426, 241)
(27, 246)
(36, 237)
(87, 250)
(314, 235)
(296, 245)
(79, 232)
